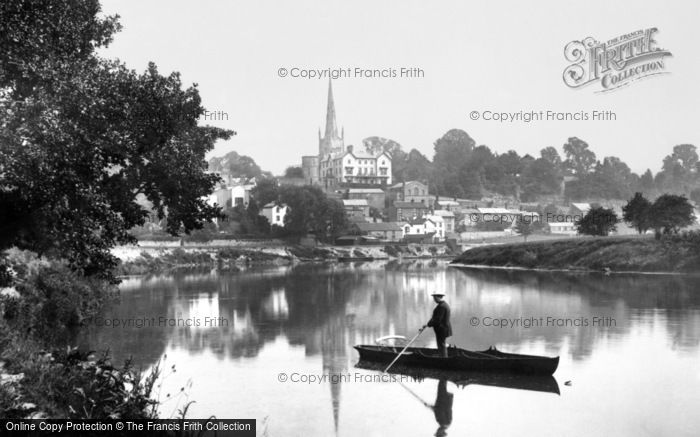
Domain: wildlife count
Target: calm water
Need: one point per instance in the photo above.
(636, 372)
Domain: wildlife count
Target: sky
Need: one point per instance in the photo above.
(505, 56)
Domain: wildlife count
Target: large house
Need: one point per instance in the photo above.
(355, 167)
(411, 191)
(337, 164)
(404, 211)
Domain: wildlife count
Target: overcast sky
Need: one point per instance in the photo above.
(503, 56)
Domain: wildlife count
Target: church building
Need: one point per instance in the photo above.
(338, 164)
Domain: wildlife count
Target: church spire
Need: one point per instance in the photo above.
(331, 127)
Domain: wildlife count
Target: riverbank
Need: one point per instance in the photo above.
(41, 376)
(138, 260)
(673, 254)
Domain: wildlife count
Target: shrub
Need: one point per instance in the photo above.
(391, 250)
(54, 300)
(72, 384)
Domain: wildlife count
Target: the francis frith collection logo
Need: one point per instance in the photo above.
(614, 63)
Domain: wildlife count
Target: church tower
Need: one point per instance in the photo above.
(331, 142)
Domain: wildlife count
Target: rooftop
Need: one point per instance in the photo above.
(494, 211)
(443, 213)
(273, 204)
(401, 184)
(355, 202)
(365, 191)
(583, 207)
(400, 204)
(384, 226)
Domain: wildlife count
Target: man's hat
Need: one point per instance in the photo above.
(437, 293)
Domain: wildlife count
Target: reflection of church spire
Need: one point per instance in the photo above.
(334, 344)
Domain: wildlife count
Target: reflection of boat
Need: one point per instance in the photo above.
(540, 383)
(490, 360)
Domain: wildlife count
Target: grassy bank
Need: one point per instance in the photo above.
(679, 253)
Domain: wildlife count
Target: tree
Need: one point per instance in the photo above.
(417, 167)
(680, 173)
(636, 213)
(551, 155)
(311, 211)
(452, 153)
(524, 227)
(294, 172)
(598, 221)
(238, 166)
(647, 180)
(81, 137)
(579, 158)
(540, 177)
(265, 191)
(670, 213)
(379, 144)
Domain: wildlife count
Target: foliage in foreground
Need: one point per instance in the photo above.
(48, 303)
(88, 146)
(70, 384)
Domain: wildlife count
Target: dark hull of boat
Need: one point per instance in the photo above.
(490, 360)
(515, 381)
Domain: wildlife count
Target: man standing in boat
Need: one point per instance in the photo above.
(440, 322)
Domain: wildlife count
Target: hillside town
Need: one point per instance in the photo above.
(380, 206)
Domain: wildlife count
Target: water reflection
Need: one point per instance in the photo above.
(258, 320)
(443, 408)
(327, 309)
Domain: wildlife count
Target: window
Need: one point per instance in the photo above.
(277, 218)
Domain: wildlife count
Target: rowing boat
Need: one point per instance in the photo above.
(515, 381)
(490, 360)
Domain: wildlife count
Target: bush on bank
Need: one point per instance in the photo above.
(42, 304)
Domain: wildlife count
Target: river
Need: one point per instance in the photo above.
(276, 344)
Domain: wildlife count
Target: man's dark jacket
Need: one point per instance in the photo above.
(440, 321)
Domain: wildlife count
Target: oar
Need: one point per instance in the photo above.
(404, 350)
(416, 396)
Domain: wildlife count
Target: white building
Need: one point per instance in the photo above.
(240, 195)
(432, 224)
(359, 167)
(337, 163)
(562, 228)
(448, 218)
(275, 213)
